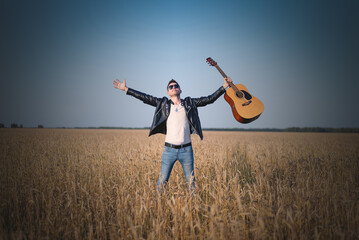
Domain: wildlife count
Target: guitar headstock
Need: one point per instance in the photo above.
(211, 62)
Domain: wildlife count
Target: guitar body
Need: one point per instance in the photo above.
(245, 109)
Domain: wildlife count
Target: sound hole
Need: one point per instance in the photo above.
(246, 95)
(239, 94)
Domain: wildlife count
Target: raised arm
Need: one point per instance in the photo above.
(203, 101)
(148, 99)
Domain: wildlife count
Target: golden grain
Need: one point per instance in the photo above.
(100, 184)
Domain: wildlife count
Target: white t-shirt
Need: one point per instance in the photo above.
(178, 131)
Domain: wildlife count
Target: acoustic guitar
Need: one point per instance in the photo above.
(245, 107)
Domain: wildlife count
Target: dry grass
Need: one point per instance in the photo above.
(86, 184)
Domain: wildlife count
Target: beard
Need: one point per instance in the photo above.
(176, 93)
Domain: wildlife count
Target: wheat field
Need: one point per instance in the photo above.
(100, 184)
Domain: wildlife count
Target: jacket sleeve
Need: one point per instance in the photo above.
(148, 99)
(203, 101)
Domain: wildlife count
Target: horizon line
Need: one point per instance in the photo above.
(267, 129)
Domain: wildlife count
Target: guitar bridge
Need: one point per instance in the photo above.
(246, 103)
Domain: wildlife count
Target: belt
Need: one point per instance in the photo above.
(177, 146)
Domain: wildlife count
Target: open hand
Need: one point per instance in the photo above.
(120, 85)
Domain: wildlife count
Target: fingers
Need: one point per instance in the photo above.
(228, 79)
(118, 81)
(116, 84)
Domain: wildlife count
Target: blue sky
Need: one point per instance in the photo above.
(59, 58)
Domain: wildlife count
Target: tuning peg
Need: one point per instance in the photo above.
(211, 62)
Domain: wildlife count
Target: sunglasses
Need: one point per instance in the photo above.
(171, 86)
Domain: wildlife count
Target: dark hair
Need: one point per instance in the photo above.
(172, 81)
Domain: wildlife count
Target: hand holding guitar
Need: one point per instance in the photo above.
(120, 85)
(226, 82)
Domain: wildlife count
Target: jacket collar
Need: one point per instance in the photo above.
(171, 102)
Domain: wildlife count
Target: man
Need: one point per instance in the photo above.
(178, 119)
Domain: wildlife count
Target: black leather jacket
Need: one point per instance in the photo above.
(163, 107)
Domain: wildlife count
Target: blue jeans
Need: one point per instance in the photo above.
(169, 157)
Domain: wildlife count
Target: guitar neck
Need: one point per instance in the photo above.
(221, 71)
(225, 76)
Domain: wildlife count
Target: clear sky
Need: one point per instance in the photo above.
(59, 58)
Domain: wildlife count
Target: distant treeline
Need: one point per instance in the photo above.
(291, 129)
(15, 125)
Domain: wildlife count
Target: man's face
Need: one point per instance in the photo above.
(174, 90)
